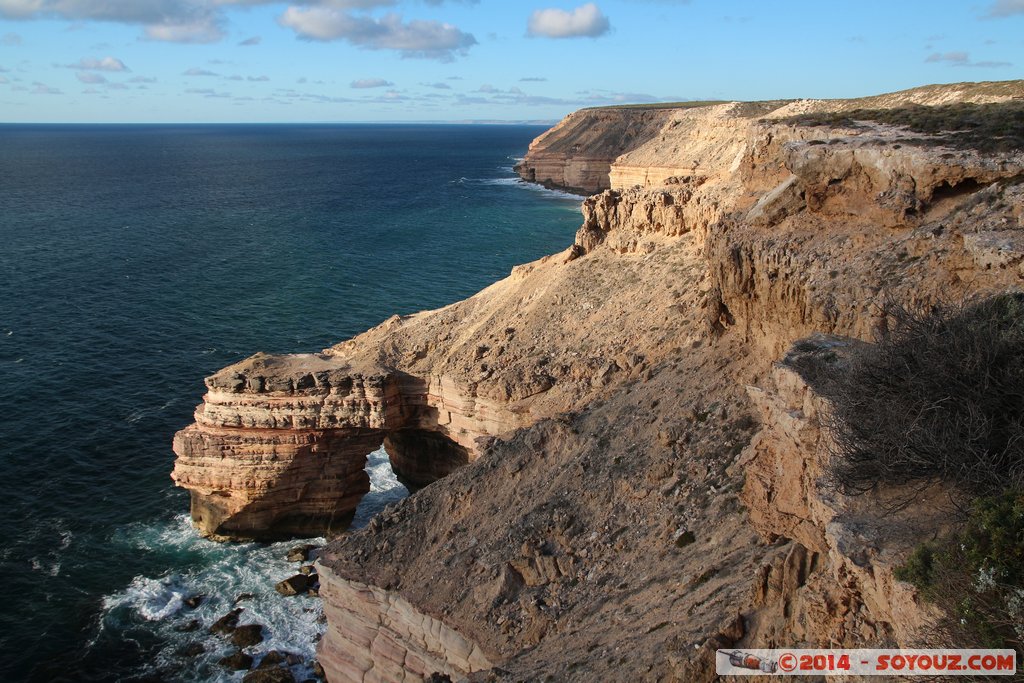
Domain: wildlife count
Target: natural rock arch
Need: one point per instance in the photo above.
(280, 443)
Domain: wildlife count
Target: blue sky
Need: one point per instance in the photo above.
(457, 60)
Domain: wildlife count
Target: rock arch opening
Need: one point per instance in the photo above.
(385, 488)
(280, 443)
(420, 457)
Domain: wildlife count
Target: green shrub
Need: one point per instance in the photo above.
(977, 575)
(995, 127)
(918, 567)
(938, 398)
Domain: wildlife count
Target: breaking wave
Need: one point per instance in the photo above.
(223, 577)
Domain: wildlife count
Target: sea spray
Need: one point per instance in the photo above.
(223, 577)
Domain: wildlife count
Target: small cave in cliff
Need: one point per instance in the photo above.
(420, 457)
(946, 190)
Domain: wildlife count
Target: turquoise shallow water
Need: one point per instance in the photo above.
(136, 260)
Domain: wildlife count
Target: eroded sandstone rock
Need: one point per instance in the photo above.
(577, 154)
(279, 445)
(836, 582)
(644, 471)
(376, 635)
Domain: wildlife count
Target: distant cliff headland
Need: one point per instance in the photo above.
(629, 445)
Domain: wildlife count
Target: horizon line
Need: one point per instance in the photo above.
(538, 122)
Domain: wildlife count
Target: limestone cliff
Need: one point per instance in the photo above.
(643, 485)
(576, 155)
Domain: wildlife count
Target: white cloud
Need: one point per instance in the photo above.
(43, 89)
(364, 83)
(206, 92)
(954, 57)
(489, 95)
(10, 39)
(249, 42)
(1006, 8)
(186, 21)
(105, 64)
(127, 11)
(585, 21)
(193, 21)
(960, 58)
(196, 71)
(90, 77)
(417, 38)
(205, 30)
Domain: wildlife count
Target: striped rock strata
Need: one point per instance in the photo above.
(376, 636)
(279, 444)
(638, 507)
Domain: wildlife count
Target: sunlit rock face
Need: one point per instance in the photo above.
(643, 463)
(279, 444)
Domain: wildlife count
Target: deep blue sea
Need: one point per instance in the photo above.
(134, 261)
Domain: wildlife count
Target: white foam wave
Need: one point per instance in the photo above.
(49, 561)
(152, 599)
(38, 565)
(534, 187)
(137, 415)
(522, 184)
(385, 489)
(219, 573)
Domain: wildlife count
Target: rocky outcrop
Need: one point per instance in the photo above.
(636, 220)
(835, 585)
(375, 635)
(576, 155)
(645, 477)
(279, 445)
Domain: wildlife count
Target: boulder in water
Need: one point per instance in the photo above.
(300, 553)
(293, 586)
(188, 626)
(227, 623)
(190, 650)
(273, 658)
(238, 661)
(269, 675)
(248, 635)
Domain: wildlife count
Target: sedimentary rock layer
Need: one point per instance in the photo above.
(643, 479)
(279, 444)
(376, 636)
(577, 154)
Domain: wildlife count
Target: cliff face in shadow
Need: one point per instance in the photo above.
(642, 478)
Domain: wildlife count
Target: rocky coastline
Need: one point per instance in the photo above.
(620, 464)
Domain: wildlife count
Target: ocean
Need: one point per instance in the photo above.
(136, 260)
